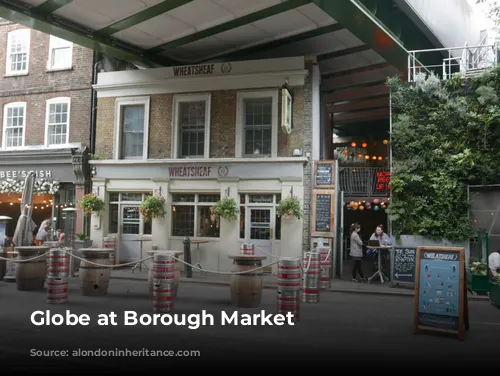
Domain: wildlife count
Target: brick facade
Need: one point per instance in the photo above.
(39, 85)
(222, 125)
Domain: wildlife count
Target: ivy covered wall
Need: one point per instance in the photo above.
(445, 136)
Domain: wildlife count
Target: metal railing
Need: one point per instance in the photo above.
(467, 61)
(364, 181)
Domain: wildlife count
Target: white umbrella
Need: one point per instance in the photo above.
(23, 235)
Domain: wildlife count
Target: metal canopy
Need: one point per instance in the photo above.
(354, 50)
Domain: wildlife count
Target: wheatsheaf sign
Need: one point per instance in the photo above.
(194, 70)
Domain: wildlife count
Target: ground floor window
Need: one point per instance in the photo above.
(192, 215)
(124, 216)
(258, 219)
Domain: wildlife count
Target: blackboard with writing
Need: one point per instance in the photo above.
(324, 174)
(323, 213)
(403, 265)
(440, 295)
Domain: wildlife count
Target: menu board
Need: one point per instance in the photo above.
(441, 296)
(323, 213)
(403, 265)
(324, 175)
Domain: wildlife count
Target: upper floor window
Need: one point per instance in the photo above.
(191, 126)
(57, 121)
(60, 53)
(257, 124)
(18, 51)
(14, 125)
(131, 139)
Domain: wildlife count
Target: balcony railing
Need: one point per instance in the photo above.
(466, 61)
(364, 181)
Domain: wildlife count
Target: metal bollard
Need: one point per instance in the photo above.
(311, 277)
(288, 289)
(58, 268)
(163, 275)
(247, 249)
(188, 270)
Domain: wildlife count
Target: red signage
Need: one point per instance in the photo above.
(383, 181)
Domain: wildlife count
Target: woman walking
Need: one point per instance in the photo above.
(356, 252)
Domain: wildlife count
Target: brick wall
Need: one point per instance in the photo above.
(40, 85)
(222, 125)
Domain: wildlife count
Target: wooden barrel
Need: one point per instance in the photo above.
(289, 301)
(246, 289)
(31, 275)
(163, 296)
(94, 280)
(58, 263)
(177, 272)
(57, 290)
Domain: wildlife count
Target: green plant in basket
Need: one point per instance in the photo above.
(91, 204)
(289, 207)
(81, 236)
(153, 207)
(478, 268)
(496, 279)
(226, 208)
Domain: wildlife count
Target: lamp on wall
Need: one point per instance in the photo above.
(158, 191)
(93, 171)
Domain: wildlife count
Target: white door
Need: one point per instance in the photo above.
(260, 232)
(130, 247)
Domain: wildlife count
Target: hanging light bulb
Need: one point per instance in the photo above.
(380, 158)
(346, 152)
(367, 157)
(353, 144)
(364, 144)
(360, 155)
(374, 158)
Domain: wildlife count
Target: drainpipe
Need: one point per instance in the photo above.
(93, 110)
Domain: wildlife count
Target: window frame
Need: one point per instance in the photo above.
(121, 203)
(119, 104)
(58, 100)
(252, 205)
(50, 67)
(241, 96)
(6, 106)
(27, 35)
(183, 98)
(196, 203)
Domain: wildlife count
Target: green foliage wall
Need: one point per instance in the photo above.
(445, 136)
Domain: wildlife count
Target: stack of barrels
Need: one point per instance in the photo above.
(247, 249)
(289, 281)
(163, 275)
(326, 267)
(57, 276)
(310, 283)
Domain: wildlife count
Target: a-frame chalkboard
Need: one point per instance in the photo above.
(440, 291)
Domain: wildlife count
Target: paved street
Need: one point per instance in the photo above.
(340, 328)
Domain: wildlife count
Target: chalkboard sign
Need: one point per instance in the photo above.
(403, 262)
(324, 175)
(323, 213)
(440, 291)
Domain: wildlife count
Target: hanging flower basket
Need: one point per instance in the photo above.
(91, 204)
(41, 186)
(226, 208)
(153, 207)
(289, 208)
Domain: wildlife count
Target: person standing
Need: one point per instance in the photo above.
(356, 252)
(494, 263)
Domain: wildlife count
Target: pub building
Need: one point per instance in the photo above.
(244, 130)
(60, 180)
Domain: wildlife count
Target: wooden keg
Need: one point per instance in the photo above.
(31, 275)
(246, 289)
(177, 272)
(94, 279)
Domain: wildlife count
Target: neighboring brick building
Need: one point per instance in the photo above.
(45, 113)
(198, 134)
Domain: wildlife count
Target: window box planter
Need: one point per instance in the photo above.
(495, 294)
(477, 283)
